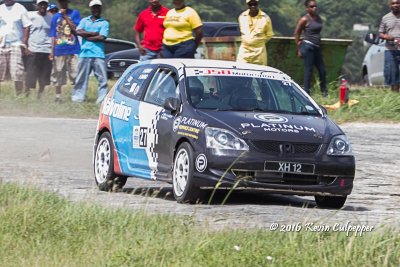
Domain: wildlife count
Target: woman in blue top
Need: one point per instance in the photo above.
(309, 47)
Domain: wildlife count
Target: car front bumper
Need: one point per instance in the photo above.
(333, 175)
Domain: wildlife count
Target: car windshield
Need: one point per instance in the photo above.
(216, 92)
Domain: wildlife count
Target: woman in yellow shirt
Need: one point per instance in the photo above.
(180, 24)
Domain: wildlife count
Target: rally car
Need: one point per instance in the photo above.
(204, 124)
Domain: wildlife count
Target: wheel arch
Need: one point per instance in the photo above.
(179, 142)
(117, 166)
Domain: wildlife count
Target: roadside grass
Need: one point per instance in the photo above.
(42, 229)
(46, 106)
(375, 104)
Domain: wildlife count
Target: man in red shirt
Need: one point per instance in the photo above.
(150, 23)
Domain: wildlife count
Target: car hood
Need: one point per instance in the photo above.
(274, 126)
(124, 54)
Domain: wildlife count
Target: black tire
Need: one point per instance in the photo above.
(104, 175)
(184, 188)
(334, 202)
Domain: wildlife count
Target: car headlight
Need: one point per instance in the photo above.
(339, 146)
(217, 138)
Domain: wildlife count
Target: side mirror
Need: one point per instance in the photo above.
(324, 110)
(373, 38)
(172, 104)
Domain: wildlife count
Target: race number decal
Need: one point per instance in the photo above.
(140, 137)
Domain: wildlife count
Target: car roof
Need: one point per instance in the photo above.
(212, 63)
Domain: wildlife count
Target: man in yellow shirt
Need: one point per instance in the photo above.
(180, 23)
(256, 30)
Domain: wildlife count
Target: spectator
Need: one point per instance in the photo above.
(309, 48)
(180, 24)
(37, 61)
(14, 35)
(150, 23)
(389, 30)
(256, 29)
(52, 9)
(65, 45)
(93, 30)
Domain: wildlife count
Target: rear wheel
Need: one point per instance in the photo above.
(335, 202)
(104, 174)
(184, 188)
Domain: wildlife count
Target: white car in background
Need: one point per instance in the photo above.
(372, 66)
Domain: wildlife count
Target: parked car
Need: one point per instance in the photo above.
(118, 62)
(373, 63)
(201, 124)
(112, 45)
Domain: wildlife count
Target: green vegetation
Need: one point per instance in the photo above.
(339, 18)
(41, 229)
(46, 106)
(375, 104)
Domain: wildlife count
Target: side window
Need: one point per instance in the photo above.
(161, 87)
(133, 83)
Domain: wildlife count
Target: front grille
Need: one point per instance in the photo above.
(282, 178)
(121, 64)
(275, 147)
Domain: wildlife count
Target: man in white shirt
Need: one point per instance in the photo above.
(37, 61)
(14, 35)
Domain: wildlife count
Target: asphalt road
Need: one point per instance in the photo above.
(55, 155)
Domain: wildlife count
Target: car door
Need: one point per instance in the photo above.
(123, 108)
(152, 141)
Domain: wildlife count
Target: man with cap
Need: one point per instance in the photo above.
(14, 35)
(93, 30)
(150, 23)
(37, 61)
(52, 9)
(65, 45)
(256, 29)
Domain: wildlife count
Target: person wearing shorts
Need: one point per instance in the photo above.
(65, 46)
(14, 35)
(37, 61)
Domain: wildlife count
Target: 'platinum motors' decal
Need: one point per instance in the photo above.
(271, 118)
(276, 123)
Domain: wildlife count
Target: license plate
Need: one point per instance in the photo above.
(289, 167)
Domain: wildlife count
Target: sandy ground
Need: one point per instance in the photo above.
(55, 155)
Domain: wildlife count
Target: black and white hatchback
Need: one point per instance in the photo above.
(201, 124)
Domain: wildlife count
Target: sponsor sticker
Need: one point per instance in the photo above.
(140, 137)
(271, 118)
(201, 163)
(188, 126)
(116, 110)
(276, 123)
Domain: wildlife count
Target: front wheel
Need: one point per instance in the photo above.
(184, 188)
(105, 177)
(334, 202)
